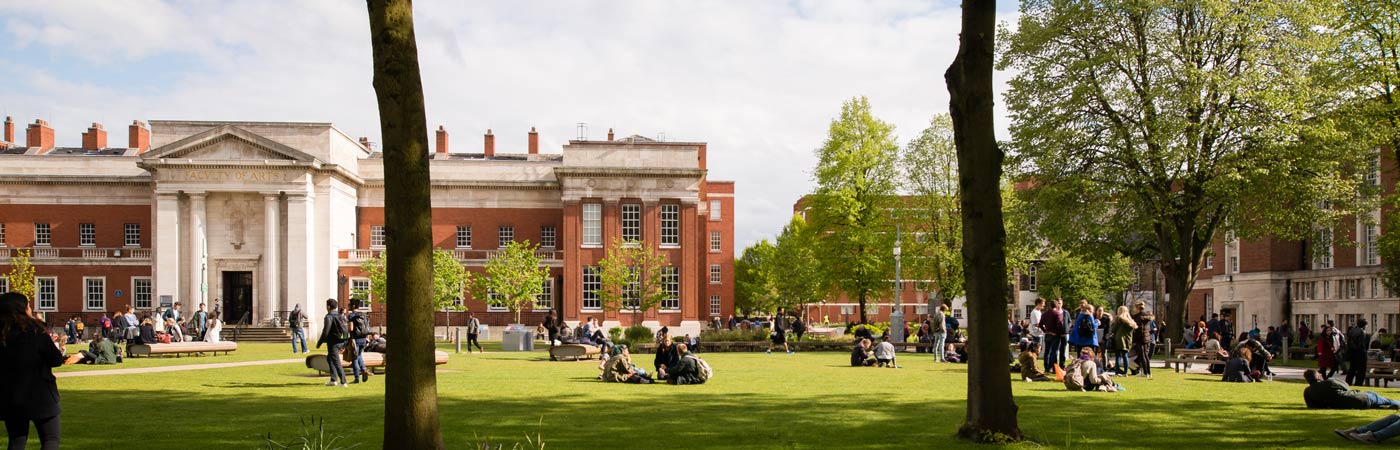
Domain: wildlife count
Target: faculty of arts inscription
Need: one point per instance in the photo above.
(230, 175)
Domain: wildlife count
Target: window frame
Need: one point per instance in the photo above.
(1032, 283)
(630, 220)
(547, 293)
(369, 287)
(716, 241)
(88, 293)
(505, 234)
(671, 284)
(589, 288)
(2, 234)
(591, 225)
(131, 235)
(137, 293)
(87, 234)
(43, 234)
(716, 274)
(464, 237)
(39, 293)
(377, 236)
(670, 225)
(716, 210)
(549, 237)
(715, 305)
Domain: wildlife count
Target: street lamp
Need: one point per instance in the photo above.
(897, 316)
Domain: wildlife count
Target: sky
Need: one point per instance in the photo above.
(759, 81)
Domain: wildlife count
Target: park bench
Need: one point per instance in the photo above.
(373, 360)
(181, 348)
(1382, 371)
(574, 352)
(1182, 359)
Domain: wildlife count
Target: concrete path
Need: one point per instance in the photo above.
(91, 373)
(1280, 372)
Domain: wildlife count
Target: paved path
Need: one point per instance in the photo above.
(1280, 372)
(90, 373)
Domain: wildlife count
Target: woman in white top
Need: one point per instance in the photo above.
(216, 326)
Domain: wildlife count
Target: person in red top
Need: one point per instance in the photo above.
(1326, 352)
(1053, 324)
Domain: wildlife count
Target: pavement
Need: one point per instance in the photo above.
(93, 373)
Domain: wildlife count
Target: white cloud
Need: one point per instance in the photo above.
(759, 81)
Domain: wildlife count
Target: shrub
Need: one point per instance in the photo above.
(638, 333)
(615, 334)
(734, 335)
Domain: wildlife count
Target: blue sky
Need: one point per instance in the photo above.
(758, 81)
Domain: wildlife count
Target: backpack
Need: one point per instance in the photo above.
(294, 319)
(703, 370)
(340, 329)
(1085, 327)
(361, 323)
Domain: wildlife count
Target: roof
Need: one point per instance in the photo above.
(79, 151)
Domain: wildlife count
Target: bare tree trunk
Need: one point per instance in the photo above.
(991, 411)
(861, 297)
(410, 391)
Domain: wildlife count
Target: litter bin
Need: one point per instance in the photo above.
(518, 338)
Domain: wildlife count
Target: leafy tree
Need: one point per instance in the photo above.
(514, 277)
(754, 288)
(929, 164)
(410, 391)
(21, 276)
(633, 276)
(1077, 278)
(450, 281)
(991, 411)
(796, 279)
(1149, 126)
(856, 184)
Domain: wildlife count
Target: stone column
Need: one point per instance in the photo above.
(270, 258)
(301, 288)
(165, 264)
(197, 264)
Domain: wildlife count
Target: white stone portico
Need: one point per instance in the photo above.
(249, 213)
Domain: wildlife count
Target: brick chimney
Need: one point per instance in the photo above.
(364, 141)
(39, 134)
(534, 142)
(9, 129)
(95, 138)
(138, 137)
(441, 140)
(489, 146)
(610, 136)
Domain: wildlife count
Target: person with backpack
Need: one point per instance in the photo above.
(938, 333)
(779, 333)
(473, 327)
(1084, 332)
(335, 332)
(359, 329)
(294, 319)
(688, 369)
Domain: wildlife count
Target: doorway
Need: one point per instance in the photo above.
(238, 297)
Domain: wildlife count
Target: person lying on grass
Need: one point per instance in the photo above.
(1373, 433)
(1331, 393)
(1030, 370)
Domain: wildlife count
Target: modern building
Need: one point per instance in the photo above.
(263, 216)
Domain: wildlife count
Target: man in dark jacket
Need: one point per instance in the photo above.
(685, 370)
(1332, 393)
(1357, 343)
(1053, 324)
(28, 392)
(335, 333)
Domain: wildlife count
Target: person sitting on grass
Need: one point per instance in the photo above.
(1082, 374)
(686, 370)
(619, 369)
(884, 353)
(376, 343)
(101, 351)
(861, 355)
(1237, 368)
(950, 354)
(1029, 359)
(1373, 433)
(1261, 355)
(1331, 393)
(666, 353)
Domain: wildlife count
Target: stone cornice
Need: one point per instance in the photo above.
(74, 179)
(474, 184)
(629, 172)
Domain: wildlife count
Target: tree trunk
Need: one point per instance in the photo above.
(1178, 292)
(861, 297)
(991, 411)
(410, 391)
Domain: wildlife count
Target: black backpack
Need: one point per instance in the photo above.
(340, 330)
(361, 323)
(1086, 327)
(294, 319)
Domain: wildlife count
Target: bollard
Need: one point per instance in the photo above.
(458, 337)
(1168, 354)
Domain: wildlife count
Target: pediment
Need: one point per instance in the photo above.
(227, 143)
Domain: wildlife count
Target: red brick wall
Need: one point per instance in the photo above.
(485, 223)
(109, 221)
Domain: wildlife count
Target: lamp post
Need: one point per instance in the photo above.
(897, 315)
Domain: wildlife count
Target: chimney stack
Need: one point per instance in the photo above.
(441, 140)
(534, 142)
(364, 141)
(489, 147)
(139, 137)
(610, 136)
(9, 129)
(95, 138)
(39, 134)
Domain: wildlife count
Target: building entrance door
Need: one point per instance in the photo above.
(238, 297)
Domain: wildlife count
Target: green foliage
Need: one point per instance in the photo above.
(793, 273)
(1076, 278)
(856, 187)
(21, 276)
(313, 437)
(736, 335)
(633, 278)
(638, 333)
(933, 227)
(450, 281)
(615, 334)
(513, 277)
(754, 284)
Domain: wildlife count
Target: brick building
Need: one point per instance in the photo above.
(262, 216)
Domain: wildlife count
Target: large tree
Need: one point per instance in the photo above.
(450, 280)
(856, 185)
(1368, 66)
(635, 278)
(991, 411)
(1149, 126)
(754, 287)
(797, 281)
(934, 217)
(1076, 277)
(410, 391)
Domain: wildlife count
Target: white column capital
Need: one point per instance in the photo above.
(197, 195)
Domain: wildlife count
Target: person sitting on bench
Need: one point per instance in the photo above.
(1331, 393)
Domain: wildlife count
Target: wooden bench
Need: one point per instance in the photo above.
(574, 352)
(181, 348)
(1378, 371)
(1183, 358)
(373, 360)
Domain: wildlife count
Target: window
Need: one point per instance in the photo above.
(2, 236)
(376, 236)
(1030, 278)
(41, 234)
(547, 237)
(133, 235)
(1210, 261)
(714, 305)
(87, 234)
(592, 224)
(361, 286)
(592, 283)
(671, 282)
(1326, 289)
(1234, 265)
(1375, 288)
(141, 293)
(1373, 170)
(715, 274)
(46, 293)
(716, 242)
(715, 209)
(492, 303)
(631, 222)
(545, 301)
(4, 284)
(94, 293)
(1209, 302)
(506, 235)
(1352, 288)
(670, 225)
(1324, 254)
(1373, 256)
(957, 313)
(464, 236)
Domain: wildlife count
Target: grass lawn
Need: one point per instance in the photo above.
(807, 400)
(247, 351)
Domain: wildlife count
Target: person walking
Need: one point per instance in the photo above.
(551, 326)
(201, 323)
(779, 334)
(1085, 331)
(1052, 323)
(28, 391)
(938, 333)
(335, 332)
(1142, 338)
(1357, 344)
(294, 319)
(473, 327)
(1037, 334)
(359, 330)
(1123, 329)
(1326, 352)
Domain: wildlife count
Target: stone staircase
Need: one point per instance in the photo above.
(257, 334)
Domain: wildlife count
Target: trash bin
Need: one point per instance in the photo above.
(518, 338)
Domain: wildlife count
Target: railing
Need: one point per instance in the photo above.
(115, 253)
(361, 254)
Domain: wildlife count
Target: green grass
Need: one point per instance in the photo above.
(807, 400)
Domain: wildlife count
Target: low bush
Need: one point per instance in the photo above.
(734, 335)
(615, 334)
(638, 333)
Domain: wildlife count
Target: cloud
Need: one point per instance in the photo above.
(758, 81)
